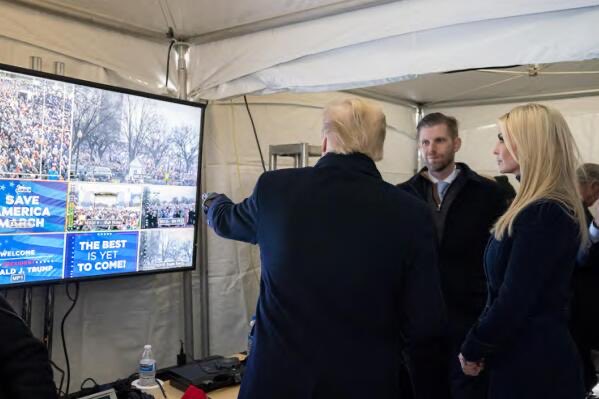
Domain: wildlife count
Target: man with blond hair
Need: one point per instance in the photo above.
(349, 278)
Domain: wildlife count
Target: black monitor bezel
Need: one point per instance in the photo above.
(81, 82)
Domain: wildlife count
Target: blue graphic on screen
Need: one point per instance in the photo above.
(94, 254)
(32, 206)
(30, 258)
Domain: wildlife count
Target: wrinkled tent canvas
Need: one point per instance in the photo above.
(393, 51)
(370, 46)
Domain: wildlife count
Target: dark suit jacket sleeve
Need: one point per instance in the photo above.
(423, 316)
(235, 221)
(25, 370)
(587, 256)
(534, 256)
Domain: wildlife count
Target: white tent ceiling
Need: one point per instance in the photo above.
(195, 20)
(395, 48)
(484, 86)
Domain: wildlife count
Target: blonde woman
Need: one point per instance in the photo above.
(522, 336)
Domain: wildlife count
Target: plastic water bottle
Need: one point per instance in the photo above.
(147, 368)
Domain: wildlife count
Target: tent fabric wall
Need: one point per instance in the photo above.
(233, 166)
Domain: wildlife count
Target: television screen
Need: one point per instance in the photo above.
(95, 181)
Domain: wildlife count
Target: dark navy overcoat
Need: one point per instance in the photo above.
(349, 278)
(523, 334)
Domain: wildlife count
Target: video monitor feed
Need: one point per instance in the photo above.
(35, 127)
(168, 206)
(164, 249)
(125, 139)
(104, 206)
(95, 181)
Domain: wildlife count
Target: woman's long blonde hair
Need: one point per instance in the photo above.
(540, 141)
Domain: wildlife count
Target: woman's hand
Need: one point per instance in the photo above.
(471, 368)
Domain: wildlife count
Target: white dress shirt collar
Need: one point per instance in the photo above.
(449, 179)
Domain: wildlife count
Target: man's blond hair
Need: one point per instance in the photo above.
(354, 125)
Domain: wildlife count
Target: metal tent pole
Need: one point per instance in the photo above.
(36, 65)
(182, 50)
(419, 115)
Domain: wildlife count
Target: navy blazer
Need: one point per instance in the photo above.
(523, 332)
(349, 278)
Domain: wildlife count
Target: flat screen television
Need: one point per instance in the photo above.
(95, 181)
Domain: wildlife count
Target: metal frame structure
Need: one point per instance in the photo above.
(300, 153)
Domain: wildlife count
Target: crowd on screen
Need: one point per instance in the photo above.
(35, 128)
(105, 218)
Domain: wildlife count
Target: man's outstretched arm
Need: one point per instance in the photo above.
(229, 220)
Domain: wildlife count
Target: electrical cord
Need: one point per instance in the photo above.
(60, 392)
(245, 100)
(161, 389)
(81, 387)
(168, 62)
(62, 323)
